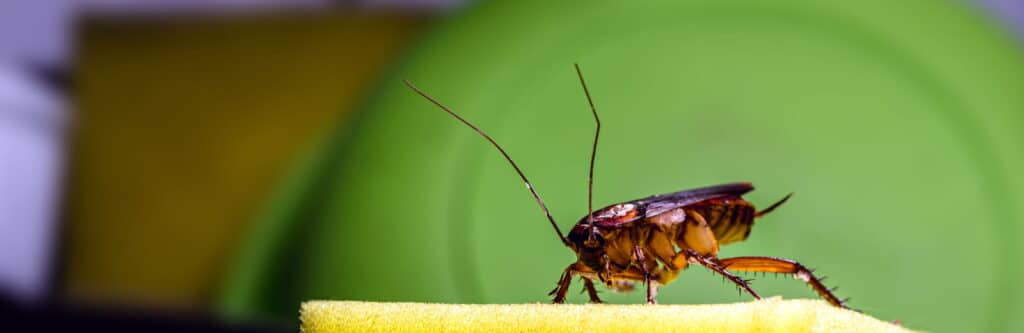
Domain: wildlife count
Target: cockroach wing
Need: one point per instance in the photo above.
(659, 204)
(622, 213)
(617, 215)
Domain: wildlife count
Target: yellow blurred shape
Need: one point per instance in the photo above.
(770, 315)
(184, 128)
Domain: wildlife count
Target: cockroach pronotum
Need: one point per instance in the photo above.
(651, 240)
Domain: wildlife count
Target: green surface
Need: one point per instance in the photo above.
(899, 129)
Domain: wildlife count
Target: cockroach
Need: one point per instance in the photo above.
(651, 240)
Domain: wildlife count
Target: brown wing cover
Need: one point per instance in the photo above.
(658, 204)
(622, 213)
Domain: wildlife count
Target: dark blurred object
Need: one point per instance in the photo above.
(188, 124)
(16, 316)
(203, 8)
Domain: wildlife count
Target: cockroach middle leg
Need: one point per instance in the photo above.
(652, 286)
(716, 266)
(785, 266)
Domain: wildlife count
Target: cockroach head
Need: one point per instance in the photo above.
(589, 244)
(586, 236)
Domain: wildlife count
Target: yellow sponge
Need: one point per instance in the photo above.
(770, 315)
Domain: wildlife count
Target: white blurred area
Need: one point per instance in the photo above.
(34, 43)
(31, 159)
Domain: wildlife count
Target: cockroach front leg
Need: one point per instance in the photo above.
(563, 285)
(717, 266)
(785, 266)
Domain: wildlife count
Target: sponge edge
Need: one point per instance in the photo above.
(770, 315)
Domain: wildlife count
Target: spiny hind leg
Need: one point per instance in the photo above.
(715, 265)
(785, 266)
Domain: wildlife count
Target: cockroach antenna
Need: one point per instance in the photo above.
(503, 153)
(593, 149)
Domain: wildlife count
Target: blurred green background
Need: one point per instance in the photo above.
(899, 128)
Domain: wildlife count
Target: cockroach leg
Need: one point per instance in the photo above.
(591, 291)
(563, 286)
(716, 266)
(652, 292)
(784, 266)
(652, 288)
(563, 283)
(606, 262)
